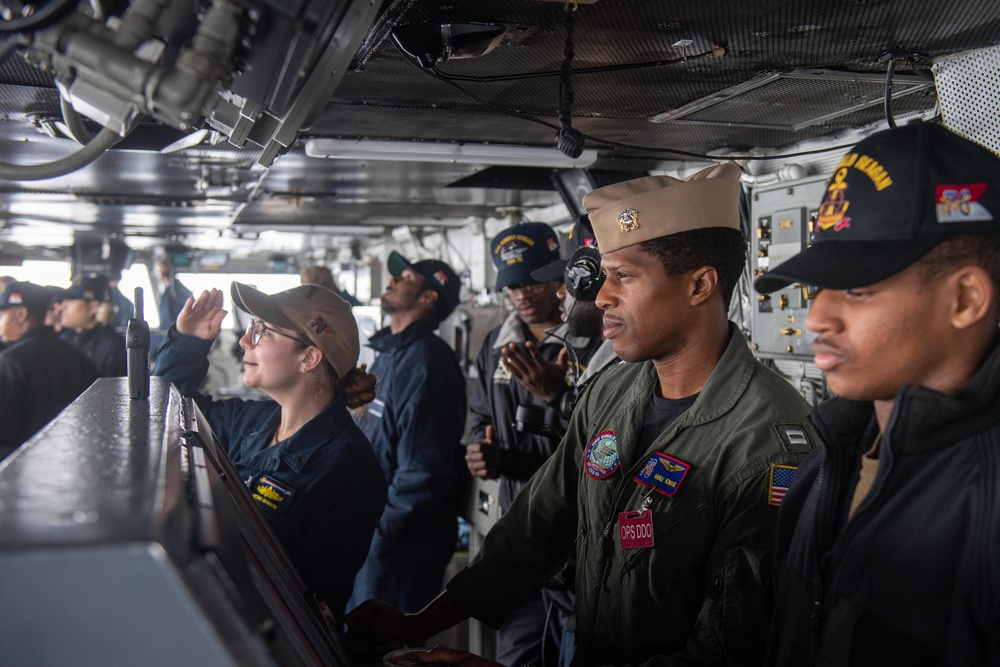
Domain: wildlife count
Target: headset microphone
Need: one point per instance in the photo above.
(583, 274)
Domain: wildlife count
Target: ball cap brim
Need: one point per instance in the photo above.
(844, 265)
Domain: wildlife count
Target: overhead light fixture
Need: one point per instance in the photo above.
(422, 151)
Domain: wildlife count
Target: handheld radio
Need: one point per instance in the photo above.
(137, 351)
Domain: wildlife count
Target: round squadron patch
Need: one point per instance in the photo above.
(601, 457)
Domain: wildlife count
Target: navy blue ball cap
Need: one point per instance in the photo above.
(90, 288)
(439, 275)
(58, 293)
(891, 199)
(581, 236)
(519, 250)
(35, 298)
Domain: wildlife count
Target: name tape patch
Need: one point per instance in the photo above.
(271, 494)
(664, 473)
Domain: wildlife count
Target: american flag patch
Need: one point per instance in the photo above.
(780, 479)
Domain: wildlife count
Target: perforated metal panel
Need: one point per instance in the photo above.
(968, 87)
(794, 100)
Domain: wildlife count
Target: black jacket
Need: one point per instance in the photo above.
(39, 376)
(497, 395)
(913, 577)
(105, 347)
(415, 425)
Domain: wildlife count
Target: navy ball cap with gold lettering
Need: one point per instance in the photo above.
(891, 199)
(519, 250)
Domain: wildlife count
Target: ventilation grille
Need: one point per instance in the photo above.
(794, 100)
(968, 86)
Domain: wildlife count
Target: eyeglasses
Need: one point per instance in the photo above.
(256, 330)
(525, 288)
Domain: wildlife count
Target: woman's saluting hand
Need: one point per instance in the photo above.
(202, 317)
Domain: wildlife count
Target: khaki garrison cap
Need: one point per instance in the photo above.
(647, 208)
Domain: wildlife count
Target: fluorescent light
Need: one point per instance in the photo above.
(423, 151)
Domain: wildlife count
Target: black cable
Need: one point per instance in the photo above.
(40, 18)
(569, 141)
(94, 149)
(566, 95)
(889, 72)
(74, 122)
(616, 144)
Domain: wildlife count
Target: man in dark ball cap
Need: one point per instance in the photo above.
(39, 374)
(415, 425)
(888, 539)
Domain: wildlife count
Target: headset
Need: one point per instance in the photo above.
(583, 275)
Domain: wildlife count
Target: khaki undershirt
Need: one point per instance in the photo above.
(869, 466)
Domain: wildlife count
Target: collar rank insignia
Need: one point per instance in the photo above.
(628, 220)
(271, 494)
(664, 473)
(779, 480)
(601, 459)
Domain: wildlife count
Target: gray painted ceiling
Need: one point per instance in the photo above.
(702, 64)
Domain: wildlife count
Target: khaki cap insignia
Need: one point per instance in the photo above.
(708, 198)
(628, 220)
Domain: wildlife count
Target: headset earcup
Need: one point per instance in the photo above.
(583, 274)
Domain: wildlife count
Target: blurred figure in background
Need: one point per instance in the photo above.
(39, 374)
(124, 310)
(4, 281)
(174, 295)
(322, 276)
(53, 316)
(100, 343)
(415, 424)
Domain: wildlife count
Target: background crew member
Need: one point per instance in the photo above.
(579, 272)
(668, 481)
(4, 281)
(894, 559)
(308, 466)
(39, 374)
(415, 424)
(101, 343)
(174, 295)
(53, 316)
(321, 275)
(124, 308)
(496, 448)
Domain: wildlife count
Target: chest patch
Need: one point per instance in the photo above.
(780, 479)
(664, 473)
(270, 494)
(377, 408)
(601, 458)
